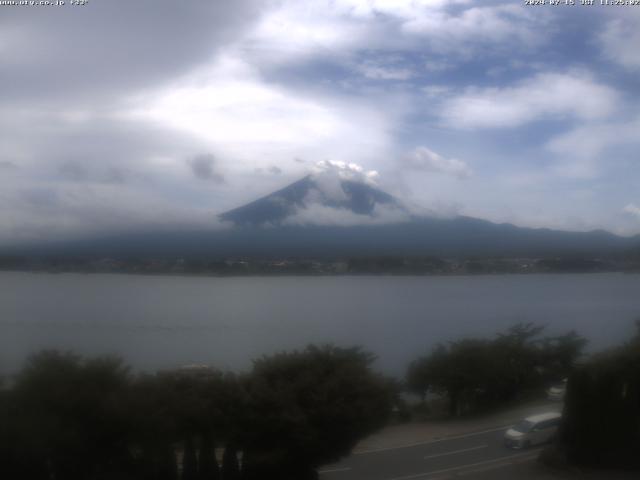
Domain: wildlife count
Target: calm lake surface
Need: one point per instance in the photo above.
(166, 321)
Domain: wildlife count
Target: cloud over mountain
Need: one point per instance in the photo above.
(422, 158)
(335, 194)
(124, 116)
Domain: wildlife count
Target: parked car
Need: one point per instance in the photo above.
(533, 430)
(557, 392)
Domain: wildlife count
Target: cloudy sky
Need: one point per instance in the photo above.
(130, 114)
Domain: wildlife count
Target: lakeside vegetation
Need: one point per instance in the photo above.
(357, 265)
(65, 416)
(473, 374)
(72, 418)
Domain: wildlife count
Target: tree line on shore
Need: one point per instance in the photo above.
(68, 417)
(601, 414)
(476, 373)
(340, 265)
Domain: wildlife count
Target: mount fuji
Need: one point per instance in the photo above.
(322, 216)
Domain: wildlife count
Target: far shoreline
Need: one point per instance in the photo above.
(318, 275)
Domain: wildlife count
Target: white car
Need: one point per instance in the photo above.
(557, 392)
(533, 430)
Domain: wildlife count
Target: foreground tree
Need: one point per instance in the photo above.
(310, 408)
(230, 464)
(87, 419)
(561, 353)
(153, 404)
(208, 468)
(69, 417)
(601, 419)
(183, 411)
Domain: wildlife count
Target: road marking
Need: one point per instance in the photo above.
(460, 467)
(334, 470)
(455, 451)
(488, 468)
(429, 442)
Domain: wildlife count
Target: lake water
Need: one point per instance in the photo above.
(166, 321)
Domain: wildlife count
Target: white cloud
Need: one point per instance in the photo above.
(297, 30)
(40, 210)
(427, 160)
(229, 106)
(590, 140)
(405, 9)
(345, 171)
(329, 187)
(259, 84)
(318, 214)
(556, 95)
(329, 174)
(126, 46)
(380, 72)
(435, 92)
(482, 24)
(620, 38)
(632, 209)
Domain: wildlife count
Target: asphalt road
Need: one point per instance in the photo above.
(471, 455)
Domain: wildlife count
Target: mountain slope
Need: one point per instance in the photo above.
(285, 224)
(460, 236)
(356, 197)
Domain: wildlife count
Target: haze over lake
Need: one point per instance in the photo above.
(167, 321)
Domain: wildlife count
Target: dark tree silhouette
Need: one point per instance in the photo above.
(152, 407)
(230, 465)
(477, 373)
(189, 460)
(208, 468)
(70, 416)
(601, 419)
(310, 408)
(560, 353)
